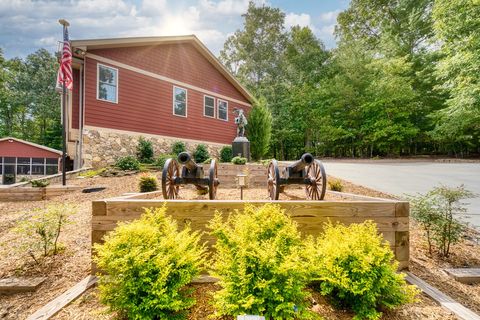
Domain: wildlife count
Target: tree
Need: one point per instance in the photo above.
(259, 130)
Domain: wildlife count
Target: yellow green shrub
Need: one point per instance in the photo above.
(260, 262)
(356, 268)
(147, 265)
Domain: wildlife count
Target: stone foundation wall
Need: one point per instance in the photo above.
(102, 148)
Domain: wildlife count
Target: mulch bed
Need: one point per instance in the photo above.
(66, 269)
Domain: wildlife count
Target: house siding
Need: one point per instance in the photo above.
(75, 98)
(22, 150)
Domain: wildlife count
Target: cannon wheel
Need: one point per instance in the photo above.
(213, 180)
(318, 181)
(169, 173)
(273, 181)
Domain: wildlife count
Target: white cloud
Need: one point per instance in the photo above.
(329, 17)
(302, 20)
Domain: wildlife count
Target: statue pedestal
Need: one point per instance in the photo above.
(241, 146)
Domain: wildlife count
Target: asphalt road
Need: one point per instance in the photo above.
(409, 178)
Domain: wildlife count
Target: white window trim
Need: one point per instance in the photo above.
(214, 103)
(218, 107)
(98, 82)
(186, 102)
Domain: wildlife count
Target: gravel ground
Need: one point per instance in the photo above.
(72, 265)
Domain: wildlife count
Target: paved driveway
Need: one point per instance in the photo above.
(400, 178)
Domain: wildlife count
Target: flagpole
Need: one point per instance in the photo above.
(65, 24)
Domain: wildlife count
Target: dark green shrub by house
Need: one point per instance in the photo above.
(201, 153)
(147, 264)
(178, 147)
(148, 183)
(144, 151)
(127, 163)
(354, 267)
(226, 154)
(239, 160)
(259, 261)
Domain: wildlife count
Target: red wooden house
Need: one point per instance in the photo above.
(162, 88)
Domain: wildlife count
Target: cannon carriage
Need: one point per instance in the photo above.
(187, 171)
(307, 170)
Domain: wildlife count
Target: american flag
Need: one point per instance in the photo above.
(64, 75)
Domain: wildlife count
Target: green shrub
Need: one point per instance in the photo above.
(92, 173)
(226, 154)
(178, 147)
(209, 160)
(201, 153)
(438, 213)
(40, 183)
(260, 265)
(147, 265)
(160, 162)
(239, 160)
(41, 230)
(335, 185)
(355, 269)
(144, 151)
(127, 163)
(148, 183)
(259, 129)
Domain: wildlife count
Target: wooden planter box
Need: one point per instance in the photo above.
(33, 194)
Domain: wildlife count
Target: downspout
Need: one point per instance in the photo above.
(81, 111)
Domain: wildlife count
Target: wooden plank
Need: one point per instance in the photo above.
(15, 285)
(54, 306)
(442, 299)
(465, 275)
(402, 209)
(99, 208)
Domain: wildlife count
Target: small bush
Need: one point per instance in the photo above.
(209, 160)
(92, 173)
(178, 147)
(239, 160)
(438, 211)
(147, 265)
(128, 163)
(201, 153)
(265, 162)
(226, 154)
(41, 230)
(40, 183)
(335, 185)
(144, 151)
(148, 183)
(160, 162)
(259, 261)
(354, 268)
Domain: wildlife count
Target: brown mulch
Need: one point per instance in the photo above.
(66, 269)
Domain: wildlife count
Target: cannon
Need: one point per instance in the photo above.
(307, 170)
(174, 175)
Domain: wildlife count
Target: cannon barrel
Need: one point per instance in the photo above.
(299, 165)
(185, 158)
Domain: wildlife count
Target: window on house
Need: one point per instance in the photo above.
(38, 166)
(179, 101)
(107, 84)
(51, 166)
(222, 112)
(209, 107)
(23, 166)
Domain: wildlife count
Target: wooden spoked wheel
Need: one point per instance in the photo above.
(169, 174)
(273, 182)
(213, 180)
(318, 181)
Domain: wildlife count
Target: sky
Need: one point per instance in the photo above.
(28, 25)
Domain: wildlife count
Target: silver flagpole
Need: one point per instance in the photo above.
(65, 24)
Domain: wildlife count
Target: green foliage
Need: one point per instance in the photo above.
(226, 154)
(178, 147)
(144, 150)
(259, 130)
(148, 183)
(201, 153)
(92, 173)
(40, 183)
(160, 162)
(260, 263)
(335, 185)
(208, 161)
(127, 163)
(239, 160)
(148, 263)
(41, 229)
(354, 268)
(438, 212)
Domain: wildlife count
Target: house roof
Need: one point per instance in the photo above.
(144, 41)
(31, 144)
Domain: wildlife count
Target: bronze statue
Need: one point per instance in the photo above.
(240, 121)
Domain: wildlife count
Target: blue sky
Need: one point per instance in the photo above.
(27, 25)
